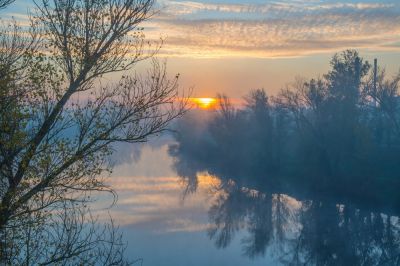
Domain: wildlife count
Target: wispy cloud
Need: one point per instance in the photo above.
(281, 28)
(286, 28)
(189, 7)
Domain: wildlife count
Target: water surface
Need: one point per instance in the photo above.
(224, 223)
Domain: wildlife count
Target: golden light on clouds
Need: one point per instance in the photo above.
(278, 29)
(204, 103)
(208, 181)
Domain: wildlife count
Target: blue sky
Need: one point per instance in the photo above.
(233, 46)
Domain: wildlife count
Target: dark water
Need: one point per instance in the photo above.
(221, 221)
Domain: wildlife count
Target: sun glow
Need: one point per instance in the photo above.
(204, 103)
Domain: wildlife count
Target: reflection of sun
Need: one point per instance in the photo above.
(204, 103)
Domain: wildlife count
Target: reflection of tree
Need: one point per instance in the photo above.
(343, 235)
(264, 216)
(259, 226)
(228, 215)
(318, 233)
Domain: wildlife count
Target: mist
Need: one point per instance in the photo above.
(336, 136)
(310, 174)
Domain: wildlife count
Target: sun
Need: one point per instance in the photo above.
(204, 103)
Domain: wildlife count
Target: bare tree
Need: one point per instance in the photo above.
(69, 236)
(5, 3)
(58, 119)
(385, 96)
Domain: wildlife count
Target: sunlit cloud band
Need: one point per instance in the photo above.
(279, 29)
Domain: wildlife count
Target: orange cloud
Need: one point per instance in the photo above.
(285, 29)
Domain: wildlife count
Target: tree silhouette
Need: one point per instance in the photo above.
(59, 119)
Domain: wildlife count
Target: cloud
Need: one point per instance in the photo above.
(282, 28)
(291, 28)
(189, 8)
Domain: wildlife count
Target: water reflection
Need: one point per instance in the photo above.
(158, 225)
(309, 232)
(290, 218)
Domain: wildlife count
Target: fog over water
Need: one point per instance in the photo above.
(307, 177)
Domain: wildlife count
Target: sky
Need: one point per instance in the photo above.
(221, 46)
(234, 46)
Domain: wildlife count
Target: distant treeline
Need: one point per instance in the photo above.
(334, 136)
